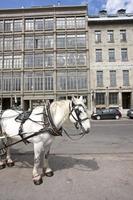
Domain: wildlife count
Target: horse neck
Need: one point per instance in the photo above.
(60, 112)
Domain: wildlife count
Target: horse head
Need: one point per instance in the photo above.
(79, 115)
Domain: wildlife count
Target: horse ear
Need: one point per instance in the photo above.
(81, 98)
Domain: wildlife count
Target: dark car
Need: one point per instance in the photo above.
(107, 113)
(130, 113)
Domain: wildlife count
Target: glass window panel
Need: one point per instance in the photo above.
(7, 61)
(28, 61)
(49, 41)
(110, 34)
(61, 41)
(1, 26)
(123, 36)
(61, 81)
(81, 58)
(112, 78)
(124, 54)
(100, 98)
(49, 60)
(7, 82)
(60, 23)
(39, 42)
(17, 61)
(80, 22)
(111, 55)
(71, 59)
(98, 55)
(28, 81)
(38, 81)
(49, 24)
(71, 41)
(81, 40)
(1, 62)
(16, 82)
(99, 78)
(29, 24)
(82, 80)
(113, 98)
(70, 21)
(17, 43)
(48, 80)
(72, 81)
(29, 42)
(61, 60)
(17, 25)
(97, 36)
(1, 44)
(38, 60)
(8, 43)
(39, 24)
(125, 77)
(8, 26)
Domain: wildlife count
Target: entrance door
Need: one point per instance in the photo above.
(6, 103)
(126, 100)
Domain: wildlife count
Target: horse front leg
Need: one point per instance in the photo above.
(37, 177)
(9, 161)
(46, 169)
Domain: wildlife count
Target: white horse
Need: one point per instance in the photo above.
(60, 111)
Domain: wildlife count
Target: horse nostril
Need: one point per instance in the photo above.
(87, 131)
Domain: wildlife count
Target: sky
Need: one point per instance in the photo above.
(94, 6)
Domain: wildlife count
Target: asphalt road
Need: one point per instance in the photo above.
(97, 167)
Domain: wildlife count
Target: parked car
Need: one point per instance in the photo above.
(107, 113)
(130, 113)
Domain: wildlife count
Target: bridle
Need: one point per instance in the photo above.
(78, 121)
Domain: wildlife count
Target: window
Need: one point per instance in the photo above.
(82, 80)
(38, 43)
(61, 41)
(8, 26)
(7, 61)
(38, 60)
(99, 78)
(81, 58)
(98, 55)
(38, 81)
(29, 42)
(49, 60)
(124, 54)
(111, 55)
(17, 25)
(49, 41)
(17, 61)
(81, 40)
(1, 26)
(48, 80)
(125, 78)
(7, 82)
(28, 81)
(113, 98)
(28, 61)
(49, 24)
(110, 34)
(70, 41)
(38, 24)
(112, 78)
(61, 60)
(72, 80)
(1, 44)
(70, 22)
(1, 62)
(60, 23)
(61, 80)
(71, 59)
(16, 82)
(80, 22)
(100, 98)
(17, 43)
(123, 35)
(97, 36)
(8, 42)
(29, 24)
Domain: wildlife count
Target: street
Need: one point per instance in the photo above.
(97, 167)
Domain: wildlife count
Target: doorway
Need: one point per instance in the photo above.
(126, 100)
(6, 103)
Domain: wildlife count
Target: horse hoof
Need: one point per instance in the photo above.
(10, 164)
(38, 182)
(49, 174)
(2, 166)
